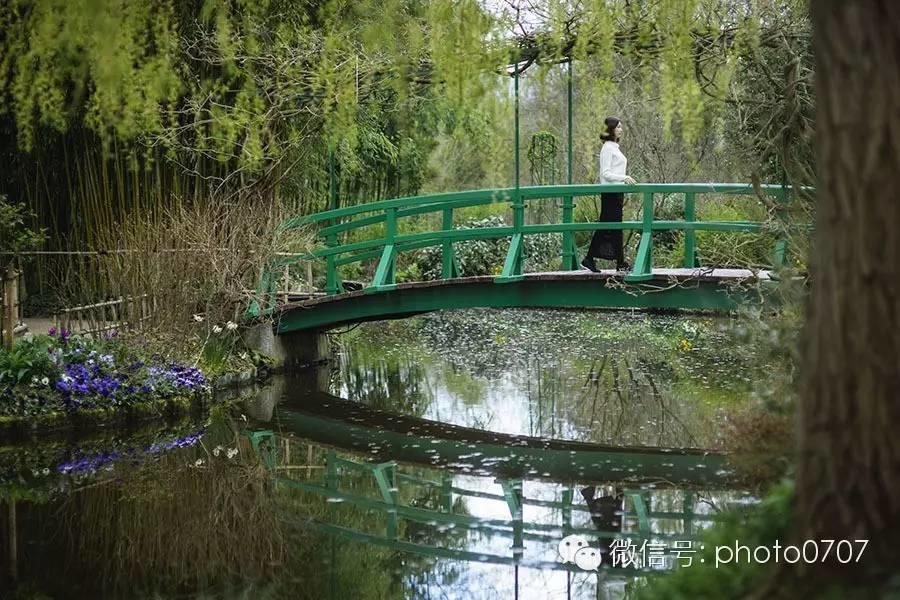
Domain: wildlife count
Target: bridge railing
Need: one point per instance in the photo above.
(385, 214)
(383, 488)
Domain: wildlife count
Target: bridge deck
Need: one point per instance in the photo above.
(388, 436)
(659, 275)
(697, 288)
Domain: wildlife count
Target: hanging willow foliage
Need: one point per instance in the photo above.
(238, 93)
(108, 63)
(241, 82)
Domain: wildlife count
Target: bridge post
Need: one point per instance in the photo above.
(384, 274)
(569, 257)
(690, 236)
(449, 269)
(446, 492)
(567, 511)
(643, 263)
(333, 283)
(331, 470)
(641, 511)
(385, 477)
(781, 244)
(512, 491)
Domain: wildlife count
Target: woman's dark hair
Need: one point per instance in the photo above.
(609, 135)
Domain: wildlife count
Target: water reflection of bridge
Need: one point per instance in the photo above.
(343, 481)
(369, 462)
(387, 436)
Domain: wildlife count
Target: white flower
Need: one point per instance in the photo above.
(198, 318)
(217, 329)
(244, 355)
(198, 462)
(231, 452)
(231, 325)
(45, 381)
(46, 471)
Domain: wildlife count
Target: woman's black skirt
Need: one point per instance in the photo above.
(608, 243)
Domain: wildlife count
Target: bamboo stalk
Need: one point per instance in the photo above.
(115, 313)
(10, 300)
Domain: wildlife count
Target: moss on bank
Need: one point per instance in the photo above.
(162, 407)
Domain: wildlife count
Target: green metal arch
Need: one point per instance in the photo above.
(387, 240)
(542, 291)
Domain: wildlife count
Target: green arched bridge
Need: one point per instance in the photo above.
(380, 231)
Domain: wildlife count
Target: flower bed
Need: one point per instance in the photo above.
(59, 379)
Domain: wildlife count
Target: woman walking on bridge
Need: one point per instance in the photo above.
(608, 243)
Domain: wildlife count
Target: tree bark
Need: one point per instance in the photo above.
(848, 479)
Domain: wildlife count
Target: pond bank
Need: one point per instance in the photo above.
(59, 382)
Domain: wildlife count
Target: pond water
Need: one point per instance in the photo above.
(443, 456)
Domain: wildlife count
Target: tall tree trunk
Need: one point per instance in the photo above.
(849, 464)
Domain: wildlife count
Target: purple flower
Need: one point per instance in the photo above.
(51, 332)
(88, 464)
(86, 380)
(178, 377)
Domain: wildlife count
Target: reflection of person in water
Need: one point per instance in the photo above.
(606, 513)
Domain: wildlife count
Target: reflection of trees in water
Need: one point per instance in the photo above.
(334, 567)
(421, 574)
(394, 383)
(171, 525)
(620, 400)
(606, 377)
(489, 344)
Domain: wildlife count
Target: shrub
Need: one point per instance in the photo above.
(486, 256)
(759, 442)
(752, 526)
(28, 361)
(15, 235)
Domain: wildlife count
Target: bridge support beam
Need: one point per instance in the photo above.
(291, 351)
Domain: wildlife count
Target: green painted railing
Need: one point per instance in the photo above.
(637, 518)
(389, 241)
